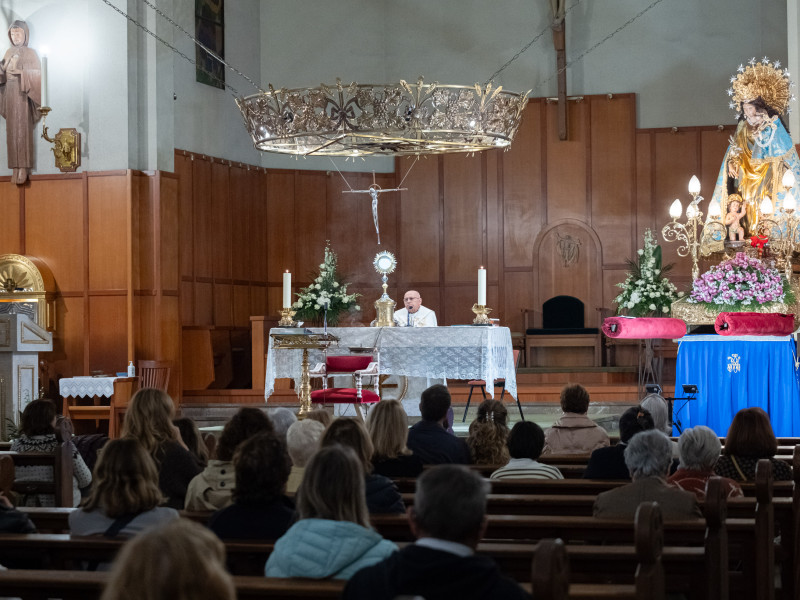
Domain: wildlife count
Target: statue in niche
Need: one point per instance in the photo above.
(569, 249)
(20, 100)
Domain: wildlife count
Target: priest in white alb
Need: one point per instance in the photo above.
(414, 314)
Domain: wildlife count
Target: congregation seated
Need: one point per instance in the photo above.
(260, 510)
(699, 448)
(525, 443)
(659, 410)
(333, 537)
(211, 489)
(388, 429)
(125, 497)
(321, 415)
(648, 457)
(488, 434)
(302, 440)
(429, 438)
(149, 420)
(12, 520)
(750, 438)
(448, 519)
(282, 418)
(380, 492)
(609, 463)
(179, 561)
(574, 432)
(38, 434)
(190, 435)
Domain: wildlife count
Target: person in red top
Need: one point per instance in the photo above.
(699, 449)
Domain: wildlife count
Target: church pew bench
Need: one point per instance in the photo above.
(61, 463)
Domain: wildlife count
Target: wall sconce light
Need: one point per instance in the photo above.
(67, 142)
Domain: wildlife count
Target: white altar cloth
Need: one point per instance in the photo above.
(431, 352)
(86, 387)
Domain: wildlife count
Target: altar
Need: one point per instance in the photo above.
(736, 372)
(435, 353)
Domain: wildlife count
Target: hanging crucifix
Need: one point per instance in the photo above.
(373, 190)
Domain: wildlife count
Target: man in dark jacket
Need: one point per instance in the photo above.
(609, 463)
(429, 438)
(448, 519)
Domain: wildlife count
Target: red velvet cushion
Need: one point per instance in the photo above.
(347, 364)
(343, 396)
(742, 323)
(644, 327)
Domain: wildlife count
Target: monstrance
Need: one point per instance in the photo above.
(384, 264)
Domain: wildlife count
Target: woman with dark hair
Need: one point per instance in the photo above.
(574, 432)
(381, 492)
(488, 434)
(388, 429)
(260, 511)
(211, 489)
(37, 434)
(525, 443)
(333, 537)
(193, 439)
(750, 438)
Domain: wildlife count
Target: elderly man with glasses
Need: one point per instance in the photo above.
(414, 314)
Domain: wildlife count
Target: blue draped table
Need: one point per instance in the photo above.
(736, 372)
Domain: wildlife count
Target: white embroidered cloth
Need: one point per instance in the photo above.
(432, 352)
(86, 387)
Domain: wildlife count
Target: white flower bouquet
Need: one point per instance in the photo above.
(646, 292)
(325, 292)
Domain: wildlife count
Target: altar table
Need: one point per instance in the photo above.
(431, 352)
(736, 372)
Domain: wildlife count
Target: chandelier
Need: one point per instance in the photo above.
(390, 119)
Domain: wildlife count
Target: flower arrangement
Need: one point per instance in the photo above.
(646, 292)
(740, 283)
(325, 292)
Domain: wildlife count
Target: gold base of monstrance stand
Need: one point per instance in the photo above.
(481, 314)
(384, 264)
(286, 318)
(304, 342)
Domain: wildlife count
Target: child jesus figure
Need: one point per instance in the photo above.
(733, 219)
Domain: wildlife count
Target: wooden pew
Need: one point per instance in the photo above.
(61, 463)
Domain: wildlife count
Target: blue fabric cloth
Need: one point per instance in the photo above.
(736, 372)
(320, 548)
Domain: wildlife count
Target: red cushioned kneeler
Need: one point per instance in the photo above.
(343, 396)
(347, 364)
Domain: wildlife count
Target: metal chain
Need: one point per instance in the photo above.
(170, 46)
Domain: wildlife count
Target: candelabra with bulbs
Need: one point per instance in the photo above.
(782, 227)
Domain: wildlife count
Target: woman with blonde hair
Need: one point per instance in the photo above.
(332, 538)
(125, 497)
(388, 428)
(488, 434)
(149, 420)
(180, 561)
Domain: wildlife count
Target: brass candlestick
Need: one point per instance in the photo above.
(286, 318)
(481, 314)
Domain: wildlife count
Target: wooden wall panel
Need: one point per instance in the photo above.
(221, 211)
(311, 215)
(203, 304)
(464, 216)
(419, 223)
(69, 340)
(280, 217)
(388, 210)
(567, 164)
(145, 202)
(223, 305)
(612, 153)
(518, 296)
(107, 349)
(241, 224)
(258, 301)
(169, 226)
(644, 188)
(183, 171)
(494, 237)
(108, 239)
(241, 306)
(187, 303)
(170, 348)
(523, 189)
(257, 189)
(713, 145)
(55, 229)
(10, 205)
(203, 219)
(458, 301)
(147, 331)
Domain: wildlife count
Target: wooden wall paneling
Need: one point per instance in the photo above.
(310, 221)
(280, 235)
(419, 223)
(187, 302)
(203, 219)
(566, 164)
(349, 225)
(223, 304)
(11, 207)
(612, 151)
(171, 345)
(258, 300)
(108, 235)
(713, 145)
(221, 210)
(69, 341)
(523, 199)
(54, 229)
(241, 306)
(494, 237)
(242, 224)
(611, 277)
(203, 304)
(145, 255)
(388, 211)
(645, 219)
(170, 232)
(676, 160)
(183, 171)
(148, 335)
(458, 300)
(517, 296)
(257, 191)
(464, 216)
(107, 348)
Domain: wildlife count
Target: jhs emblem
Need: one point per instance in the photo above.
(733, 363)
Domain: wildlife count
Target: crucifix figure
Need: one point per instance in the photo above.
(373, 190)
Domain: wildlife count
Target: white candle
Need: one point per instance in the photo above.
(44, 81)
(482, 287)
(287, 290)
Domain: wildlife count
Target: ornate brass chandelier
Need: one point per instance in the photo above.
(394, 119)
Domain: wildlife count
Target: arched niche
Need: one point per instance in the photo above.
(27, 287)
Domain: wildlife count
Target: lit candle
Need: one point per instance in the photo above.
(44, 80)
(287, 290)
(481, 286)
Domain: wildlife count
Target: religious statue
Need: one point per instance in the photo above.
(20, 100)
(759, 152)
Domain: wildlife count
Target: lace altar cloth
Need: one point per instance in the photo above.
(86, 387)
(431, 352)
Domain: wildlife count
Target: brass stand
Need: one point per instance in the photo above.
(304, 342)
(286, 318)
(384, 307)
(481, 314)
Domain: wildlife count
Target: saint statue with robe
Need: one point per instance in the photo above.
(20, 100)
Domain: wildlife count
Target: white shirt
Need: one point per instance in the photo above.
(424, 317)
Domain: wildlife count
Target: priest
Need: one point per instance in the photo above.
(414, 314)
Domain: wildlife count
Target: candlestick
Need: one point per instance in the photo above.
(44, 81)
(481, 314)
(287, 289)
(481, 286)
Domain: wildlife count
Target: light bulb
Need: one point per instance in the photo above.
(789, 203)
(714, 209)
(766, 206)
(694, 185)
(788, 180)
(691, 211)
(675, 209)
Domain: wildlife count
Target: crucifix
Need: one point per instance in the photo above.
(373, 190)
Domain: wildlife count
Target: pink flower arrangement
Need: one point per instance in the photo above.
(740, 282)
